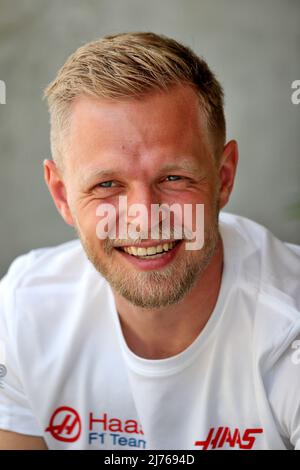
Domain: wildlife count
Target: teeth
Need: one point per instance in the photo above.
(151, 250)
(141, 251)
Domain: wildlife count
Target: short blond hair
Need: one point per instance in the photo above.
(128, 66)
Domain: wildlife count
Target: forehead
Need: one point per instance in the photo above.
(161, 127)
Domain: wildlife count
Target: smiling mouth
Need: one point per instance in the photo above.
(152, 252)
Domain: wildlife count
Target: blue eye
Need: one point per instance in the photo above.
(105, 184)
(174, 176)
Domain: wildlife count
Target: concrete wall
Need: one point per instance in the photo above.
(253, 46)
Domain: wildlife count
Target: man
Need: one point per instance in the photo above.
(137, 342)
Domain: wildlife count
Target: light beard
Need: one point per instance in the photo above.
(156, 288)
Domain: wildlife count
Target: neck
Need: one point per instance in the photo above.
(165, 332)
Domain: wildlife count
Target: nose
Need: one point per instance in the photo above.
(139, 203)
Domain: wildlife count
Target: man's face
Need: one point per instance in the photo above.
(152, 150)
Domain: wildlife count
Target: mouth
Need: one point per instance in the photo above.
(150, 257)
(154, 251)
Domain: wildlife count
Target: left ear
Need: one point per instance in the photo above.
(227, 169)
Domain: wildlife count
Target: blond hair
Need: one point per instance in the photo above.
(127, 66)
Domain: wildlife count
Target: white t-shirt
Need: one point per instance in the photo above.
(68, 375)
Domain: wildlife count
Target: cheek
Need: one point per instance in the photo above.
(92, 226)
(87, 220)
(198, 209)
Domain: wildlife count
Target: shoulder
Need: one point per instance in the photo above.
(267, 292)
(269, 265)
(43, 274)
(45, 262)
(268, 282)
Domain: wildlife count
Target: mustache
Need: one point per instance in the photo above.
(174, 234)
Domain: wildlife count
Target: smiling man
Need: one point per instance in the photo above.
(139, 342)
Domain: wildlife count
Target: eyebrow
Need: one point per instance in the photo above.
(99, 173)
(183, 165)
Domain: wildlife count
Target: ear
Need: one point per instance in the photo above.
(56, 186)
(227, 170)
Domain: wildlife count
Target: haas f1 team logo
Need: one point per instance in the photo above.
(219, 437)
(65, 424)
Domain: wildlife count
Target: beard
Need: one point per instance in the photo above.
(153, 289)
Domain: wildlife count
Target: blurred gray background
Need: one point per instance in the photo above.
(252, 45)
